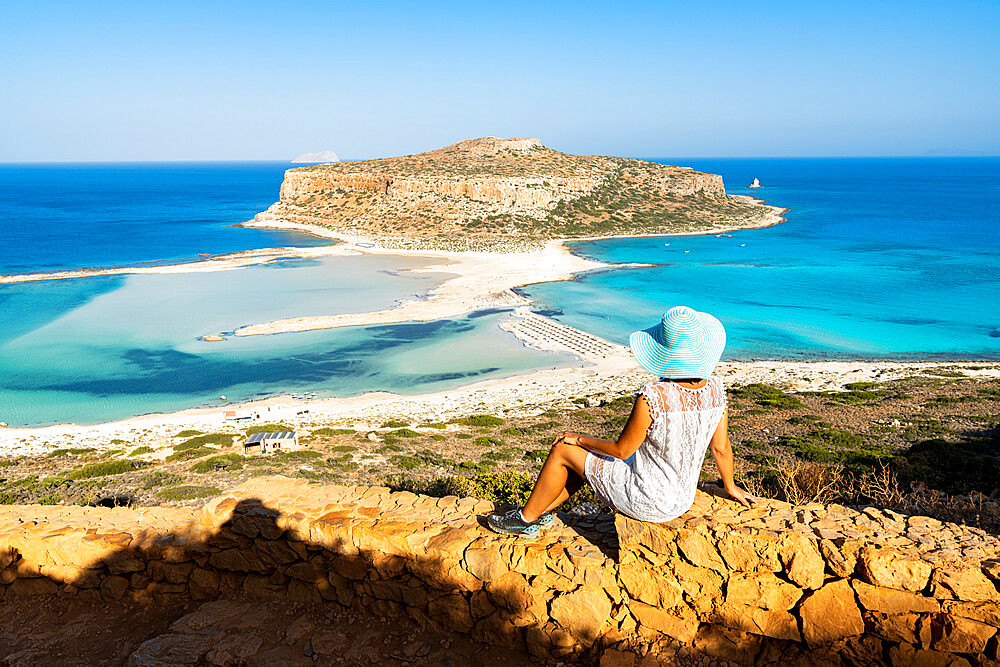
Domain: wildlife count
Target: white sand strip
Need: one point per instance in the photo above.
(525, 394)
(482, 280)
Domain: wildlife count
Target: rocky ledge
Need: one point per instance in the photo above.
(723, 583)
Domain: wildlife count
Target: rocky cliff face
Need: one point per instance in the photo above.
(506, 190)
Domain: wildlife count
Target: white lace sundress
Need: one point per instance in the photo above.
(658, 482)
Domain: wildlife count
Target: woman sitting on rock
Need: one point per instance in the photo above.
(651, 472)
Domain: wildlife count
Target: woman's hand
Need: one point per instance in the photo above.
(568, 437)
(739, 495)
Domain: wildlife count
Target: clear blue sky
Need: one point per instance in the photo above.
(267, 80)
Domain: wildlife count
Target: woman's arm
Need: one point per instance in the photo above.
(631, 437)
(722, 452)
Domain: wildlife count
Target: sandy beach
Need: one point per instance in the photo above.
(531, 393)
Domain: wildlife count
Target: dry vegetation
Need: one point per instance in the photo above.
(923, 445)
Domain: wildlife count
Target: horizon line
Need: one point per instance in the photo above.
(636, 157)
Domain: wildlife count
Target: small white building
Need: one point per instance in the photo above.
(271, 442)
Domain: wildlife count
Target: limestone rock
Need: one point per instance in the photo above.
(776, 623)
(893, 601)
(680, 627)
(699, 551)
(582, 613)
(962, 584)
(761, 590)
(172, 649)
(830, 613)
(955, 634)
(888, 568)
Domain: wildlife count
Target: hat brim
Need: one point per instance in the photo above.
(680, 363)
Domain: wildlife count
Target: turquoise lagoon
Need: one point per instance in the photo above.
(879, 259)
(94, 349)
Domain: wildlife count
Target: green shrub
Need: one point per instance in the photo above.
(478, 420)
(188, 492)
(73, 451)
(944, 373)
(52, 482)
(862, 459)
(515, 430)
(537, 455)
(188, 454)
(395, 423)
(405, 462)
(438, 425)
(500, 455)
(221, 439)
(106, 468)
(437, 437)
(952, 467)
(389, 448)
(505, 487)
(334, 431)
(141, 450)
(405, 433)
(464, 436)
(799, 420)
(860, 386)
(923, 428)
(220, 462)
(836, 438)
(807, 449)
(760, 459)
(767, 396)
(269, 428)
(159, 478)
(186, 433)
(49, 499)
(487, 441)
(7, 498)
(545, 426)
(430, 457)
(344, 448)
(297, 456)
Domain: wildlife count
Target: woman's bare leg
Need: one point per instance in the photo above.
(573, 483)
(560, 477)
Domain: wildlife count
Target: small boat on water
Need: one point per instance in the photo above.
(755, 184)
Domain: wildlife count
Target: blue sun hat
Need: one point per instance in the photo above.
(685, 344)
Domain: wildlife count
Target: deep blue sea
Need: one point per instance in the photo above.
(68, 216)
(879, 258)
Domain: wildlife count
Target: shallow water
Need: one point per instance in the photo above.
(879, 258)
(94, 349)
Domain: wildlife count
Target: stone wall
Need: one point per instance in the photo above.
(725, 583)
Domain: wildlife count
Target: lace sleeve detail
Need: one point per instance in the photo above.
(653, 399)
(719, 398)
